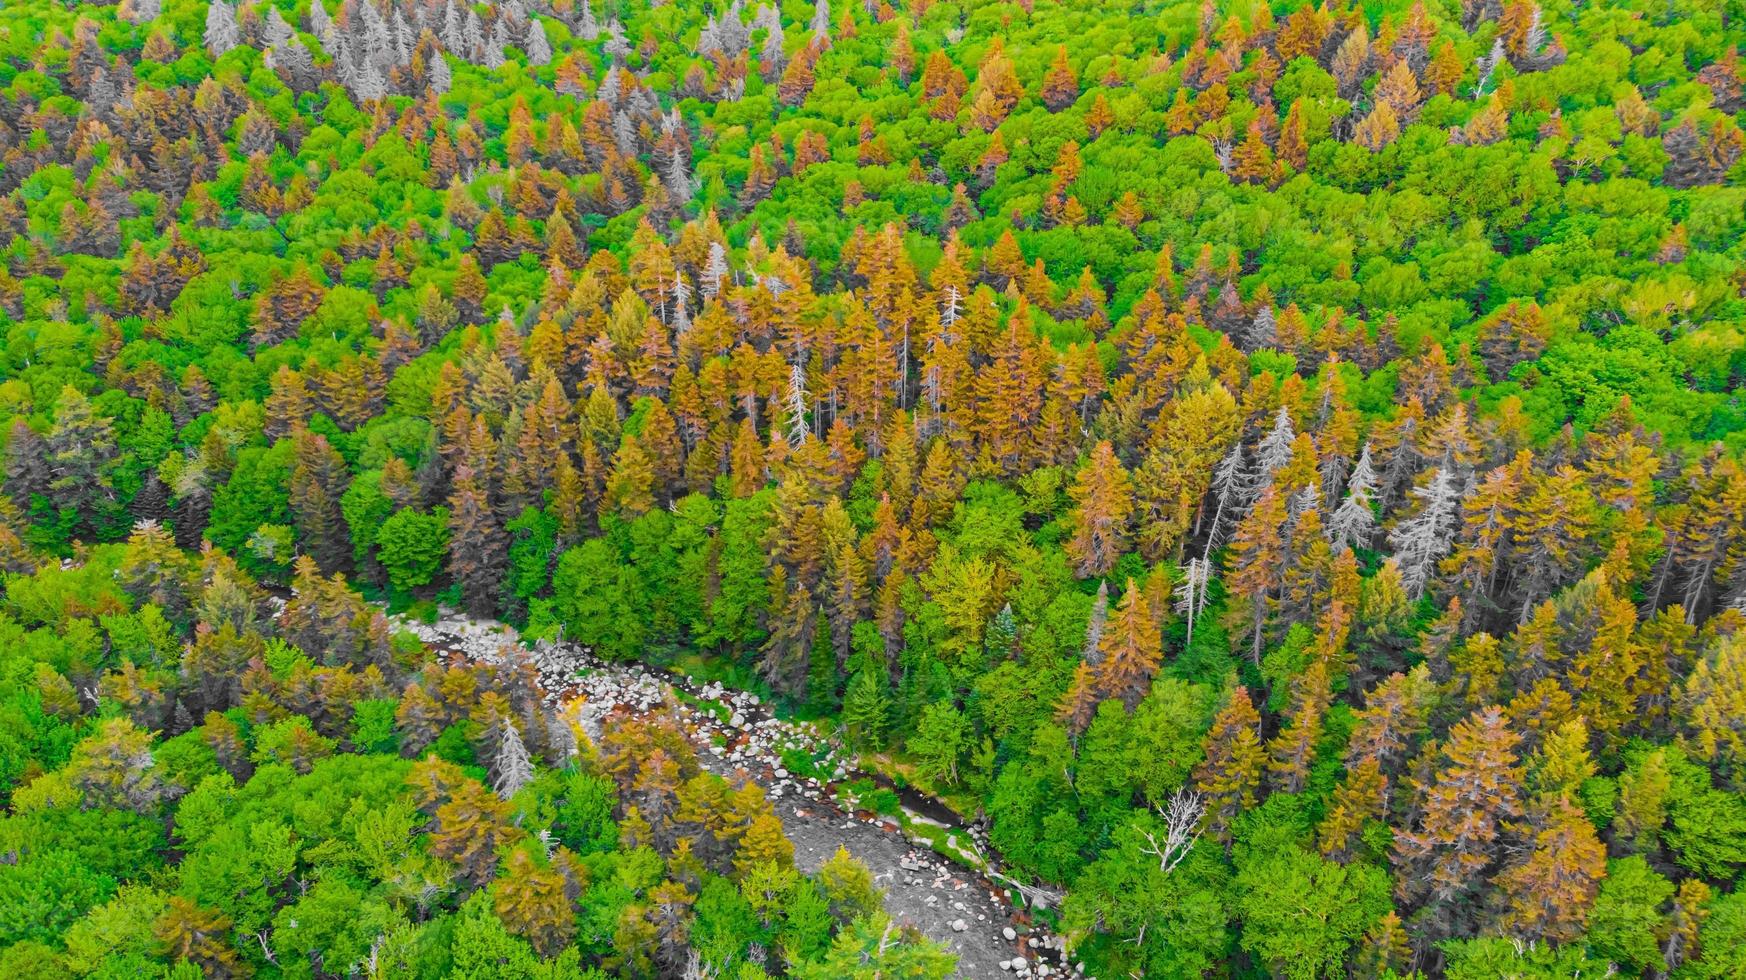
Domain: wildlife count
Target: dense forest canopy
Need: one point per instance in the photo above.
(1277, 466)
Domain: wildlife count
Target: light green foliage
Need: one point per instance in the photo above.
(781, 356)
(939, 741)
(1626, 920)
(412, 546)
(1473, 959)
(45, 894)
(598, 599)
(1302, 913)
(1127, 912)
(1722, 939)
(865, 952)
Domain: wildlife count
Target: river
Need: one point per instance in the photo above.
(965, 904)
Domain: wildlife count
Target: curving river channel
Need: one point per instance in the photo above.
(964, 903)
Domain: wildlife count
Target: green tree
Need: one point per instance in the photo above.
(848, 885)
(1721, 941)
(939, 741)
(81, 449)
(867, 707)
(1626, 923)
(412, 545)
(1126, 914)
(334, 922)
(1302, 913)
(366, 508)
(875, 948)
(599, 599)
(822, 682)
(44, 894)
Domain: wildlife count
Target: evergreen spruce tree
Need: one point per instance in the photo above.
(821, 671)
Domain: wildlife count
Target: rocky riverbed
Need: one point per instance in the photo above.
(737, 736)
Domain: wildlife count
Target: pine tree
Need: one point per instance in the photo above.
(1104, 502)
(538, 903)
(141, 11)
(1554, 534)
(1552, 890)
(477, 543)
(1252, 163)
(1422, 540)
(112, 767)
(1353, 523)
(1191, 593)
(1293, 749)
(281, 309)
(1131, 649)
(224, 738)
(1380, 128)
(763, 842)
(1060, 84)
(1292, 149)
(1230, 772)
(1394, 715)
(82, 456)
(1360, 798)
(28, 474)
(1715, 700)
(1079, 702)
(199, 936)
(472, 828)
(786, 653)
(1472, 571)
(1262, 331)
(512, 768)
(797, 78)
(418, 720)
(318, 479)
(630, 490)
(539, 50)
(1257, 560)
(1560, 766)
(1464, 807)
(222, 33)
(795, 403)
(821, 670)
(1400, 89)
(1604, 659)
(1274, 452)
(867, 707)
(1384, 952)
(747, 456)
(1230, 488)
(1643, 799)
(1690, 908)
